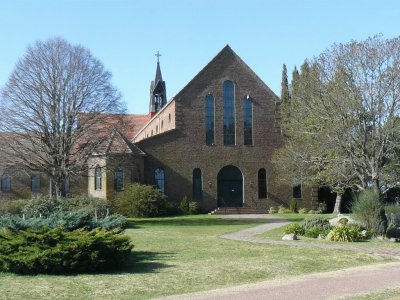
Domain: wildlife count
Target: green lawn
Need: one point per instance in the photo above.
(180, 255)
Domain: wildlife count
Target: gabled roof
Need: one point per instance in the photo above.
(222, 60)
(120, 144)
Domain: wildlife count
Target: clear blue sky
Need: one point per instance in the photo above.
(125, 34)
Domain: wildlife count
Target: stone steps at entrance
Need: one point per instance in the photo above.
(236, 211)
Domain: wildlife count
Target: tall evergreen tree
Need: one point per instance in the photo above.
(285, 95)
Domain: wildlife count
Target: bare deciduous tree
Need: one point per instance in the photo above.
(51, 110)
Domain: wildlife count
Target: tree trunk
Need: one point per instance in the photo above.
(338, 202)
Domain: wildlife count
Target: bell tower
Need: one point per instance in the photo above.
(158, 92)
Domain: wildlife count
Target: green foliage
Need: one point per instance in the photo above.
(68, 221)
(322, 208)
(110, 222)
(194, 208)
(293, 205)
(295, 228)
(184, 205)
(314, 227)
(303, 210)
(44, 206)
(392, 231)
(284, 210)
(345, 233)
(272, 210)
(55, 251)
(392, 209)
(41, 207)
(312, 212)
(142, 201)
(315, 232)
(367, 209)
(12, 206)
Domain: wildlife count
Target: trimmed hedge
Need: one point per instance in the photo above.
(55, 251)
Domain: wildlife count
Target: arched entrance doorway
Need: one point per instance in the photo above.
(230, 187)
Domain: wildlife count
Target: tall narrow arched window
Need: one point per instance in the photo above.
(159, 179)
(262, 183)
(5, 183)
(248, 121)
(210, 120)
(97, 179)
(35, 184)
(119, 179)
(229, 113)
(197, 184)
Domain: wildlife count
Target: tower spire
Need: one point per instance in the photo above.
(158, 93)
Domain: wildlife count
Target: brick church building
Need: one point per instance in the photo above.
(212, 142)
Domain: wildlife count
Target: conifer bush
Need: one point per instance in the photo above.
(55, 251)
(67, 221)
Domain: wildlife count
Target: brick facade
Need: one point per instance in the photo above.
(182, 150)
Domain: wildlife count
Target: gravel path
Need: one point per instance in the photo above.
(327, 285)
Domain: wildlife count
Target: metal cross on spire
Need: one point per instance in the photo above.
(158, 56)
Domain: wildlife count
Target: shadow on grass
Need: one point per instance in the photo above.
(144, 262)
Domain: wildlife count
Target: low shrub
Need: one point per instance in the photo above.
(42, 206)
(315, 232)
(312, 212)
(318, 222)
(293, 205)
(272, 210)
(316, 226)
(68, 221)
(345, 233)
(303, 210)
(284, 210)
(295, 228)
(322, 208)
(194, 208)
(12, 206)
(98, 206)
(55, 251)
(139, 200)
(392, 231)
(110, 222)
(184, 205)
